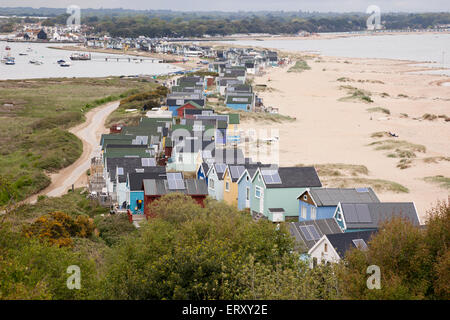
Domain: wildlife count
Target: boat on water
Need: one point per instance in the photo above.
(36, 62)
(10, 62)
(80, 56)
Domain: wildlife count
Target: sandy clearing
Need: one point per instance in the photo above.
(89, 132)
(331, 131)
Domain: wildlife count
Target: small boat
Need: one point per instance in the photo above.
(10, 62)
(80, 56)
(7, 48)
(36, 62)
(29, 49)
(65, 64)
(23, 54)
(61, 61)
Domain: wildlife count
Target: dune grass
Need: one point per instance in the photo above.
(443, 182)
(355, 94)
(299, 66)
(378, 185)
(400, 148)
(379, 110)
(340, 169)
(34, 117)
(404, 150)
(435, 159)
(340, 175)
(252, 116)
(380, 134)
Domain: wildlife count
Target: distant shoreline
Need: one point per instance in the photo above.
(164, 57)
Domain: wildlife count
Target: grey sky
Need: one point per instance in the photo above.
(245, 5)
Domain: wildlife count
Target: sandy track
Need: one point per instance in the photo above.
(89, 132)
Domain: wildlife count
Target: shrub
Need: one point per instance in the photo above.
(112, 228)
(59, 228)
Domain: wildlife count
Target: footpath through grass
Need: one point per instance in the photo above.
(34, 118)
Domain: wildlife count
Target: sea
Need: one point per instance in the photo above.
(97, 67)
(431, 50)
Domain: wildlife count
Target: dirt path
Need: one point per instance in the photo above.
(89, 132)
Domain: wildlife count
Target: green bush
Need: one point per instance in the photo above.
(112, 228)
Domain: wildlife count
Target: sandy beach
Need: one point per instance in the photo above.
(332, 130)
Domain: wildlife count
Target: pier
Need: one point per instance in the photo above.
(129, 59)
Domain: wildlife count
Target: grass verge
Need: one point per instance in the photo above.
(34, 116)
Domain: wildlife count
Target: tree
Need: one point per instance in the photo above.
(190, 252)
(413, 261)
(31, 269)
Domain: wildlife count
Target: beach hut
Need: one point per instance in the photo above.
(321, 203)
(279, 189)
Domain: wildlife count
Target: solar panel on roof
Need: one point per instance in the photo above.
(174, 176)
(314, 233)
(363, 213)
(271, 176)
(120, 171)
(172, 184)
(306, 233)
(350, 214)
(220, 167)
(362, 190)
(175, 181)
(179, 184)
(360, 244)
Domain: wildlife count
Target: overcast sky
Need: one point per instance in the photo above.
(246, 5)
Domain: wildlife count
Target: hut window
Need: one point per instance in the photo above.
(313, 213)
(258, 192)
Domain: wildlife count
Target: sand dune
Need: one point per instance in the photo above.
(331, 131)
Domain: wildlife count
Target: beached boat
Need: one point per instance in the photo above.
(23, 54)
(80, 56)
(7, 48)
(61, 61)
(65, 64)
